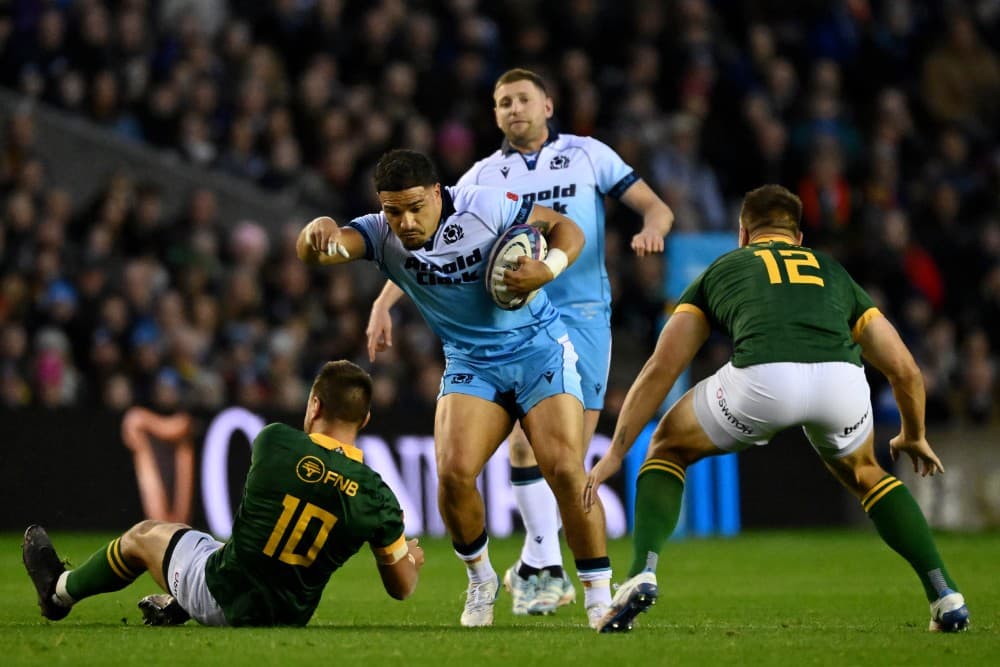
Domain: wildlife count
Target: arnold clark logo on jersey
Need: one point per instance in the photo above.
(458, 271)
(549, 196)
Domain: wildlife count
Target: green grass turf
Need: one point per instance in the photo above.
(790, 598)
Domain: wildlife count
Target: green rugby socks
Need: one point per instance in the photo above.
(658, 495)
(902, 526)
(105, 571)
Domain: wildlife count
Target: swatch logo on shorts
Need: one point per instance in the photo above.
(727, 413)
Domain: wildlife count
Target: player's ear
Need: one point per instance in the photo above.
(549, 107)
(798, 238)
(366, 420)
(744, 236)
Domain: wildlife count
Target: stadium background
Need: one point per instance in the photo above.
(158, 158)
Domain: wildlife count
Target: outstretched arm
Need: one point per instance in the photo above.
(400, 576)
(681, 338)
(885, 350)
(323, 242)
(379, 331)
(657, 218)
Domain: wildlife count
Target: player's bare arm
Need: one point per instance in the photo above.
(657, 218)
(322, 241)
(882, 347)
(400, 575)
(565, 240)
(379, 331)
(681, 338)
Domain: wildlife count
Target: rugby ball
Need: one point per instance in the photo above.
(517, 241)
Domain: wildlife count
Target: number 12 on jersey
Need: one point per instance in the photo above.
(309, 512)
(794, 261)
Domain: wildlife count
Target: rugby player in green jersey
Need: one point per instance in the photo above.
(800, 327)
(309, 504)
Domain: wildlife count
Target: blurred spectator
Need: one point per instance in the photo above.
(961, 78)
(885, 124)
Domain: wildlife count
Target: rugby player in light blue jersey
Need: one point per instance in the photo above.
(571, 174)
(500, 365)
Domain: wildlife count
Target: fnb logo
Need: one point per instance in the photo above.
(310, 469)
(549, 197)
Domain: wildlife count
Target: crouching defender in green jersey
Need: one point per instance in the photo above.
(799, 326)
(309, 504)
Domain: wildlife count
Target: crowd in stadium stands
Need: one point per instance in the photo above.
(884, 117)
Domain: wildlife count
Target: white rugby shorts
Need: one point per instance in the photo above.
(185, 577)
(742, 407)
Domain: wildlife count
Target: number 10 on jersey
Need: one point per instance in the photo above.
(281, 528)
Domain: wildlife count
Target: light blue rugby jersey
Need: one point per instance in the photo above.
(572, 175)
(445, 277)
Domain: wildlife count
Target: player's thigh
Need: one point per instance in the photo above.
(184, 575)
(467, 430)
(148, 542)
(839, 418)
(555, 430)
(858, 470)
(679, 436)
(519, 449)
(593, 351)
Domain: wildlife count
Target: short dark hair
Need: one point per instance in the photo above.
(402, 169)
(521, 74)
(771, 206)
(345, 391)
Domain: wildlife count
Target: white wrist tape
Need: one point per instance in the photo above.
(557, 261)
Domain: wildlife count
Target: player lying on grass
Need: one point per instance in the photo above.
(309, 504)
(800, 326)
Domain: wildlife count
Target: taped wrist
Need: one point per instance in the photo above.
(557, 261)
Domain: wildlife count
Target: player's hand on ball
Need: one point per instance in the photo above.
(529, 275)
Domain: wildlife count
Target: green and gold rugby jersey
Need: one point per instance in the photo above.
(309, 504)
(782, 302)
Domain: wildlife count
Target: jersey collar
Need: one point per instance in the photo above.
(447, 210)
(334, 445)
(769, 238)
(507, 149)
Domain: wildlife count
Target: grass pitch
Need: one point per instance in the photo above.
(790, 598)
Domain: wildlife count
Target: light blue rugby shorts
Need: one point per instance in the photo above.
(593, 349)
(544, 368)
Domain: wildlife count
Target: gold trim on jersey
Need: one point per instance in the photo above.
(780, 238)
(663, 466)
(326, 442)
(877, 492)
(863, 321)
(392, 553)
(690, 308)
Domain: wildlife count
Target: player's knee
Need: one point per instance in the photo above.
(519, 450)
(455, 479)
(562, 472)
(133, 539)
